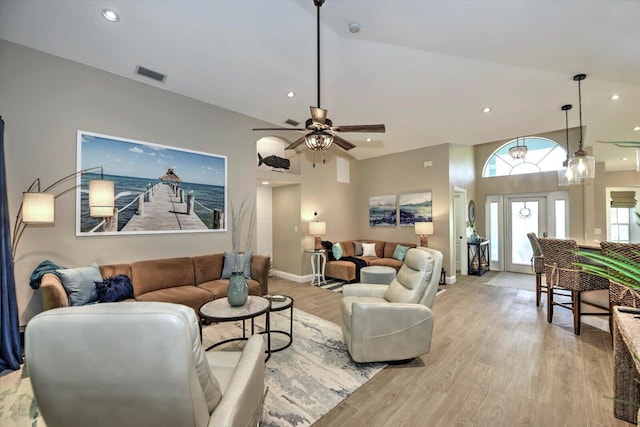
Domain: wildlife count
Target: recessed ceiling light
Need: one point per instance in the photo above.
(291, 94)
(486, 109)
(354, 27)
(614, 97)
(368, 139)
(110, 15)
(265, 182)
(636, 128)
(624, 159)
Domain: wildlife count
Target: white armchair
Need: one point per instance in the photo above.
(393, 322)
(139, 364)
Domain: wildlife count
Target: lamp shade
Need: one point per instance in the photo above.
(424, 228)
(317, 228)
(38, 208)
(101, 197)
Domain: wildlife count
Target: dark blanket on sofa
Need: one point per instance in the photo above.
(359, 264)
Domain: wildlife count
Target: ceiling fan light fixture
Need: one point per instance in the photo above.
(318, 140)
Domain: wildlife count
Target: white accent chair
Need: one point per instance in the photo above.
(139, 364)
(393, 322)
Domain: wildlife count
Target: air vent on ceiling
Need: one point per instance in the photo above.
(151, 74)
(291, 122)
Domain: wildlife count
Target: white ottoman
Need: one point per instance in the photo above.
(377, 274)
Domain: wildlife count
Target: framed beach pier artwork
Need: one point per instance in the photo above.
(415, 207)
(158, 189)
(382, 211)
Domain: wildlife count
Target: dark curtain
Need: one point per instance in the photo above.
(10, 351)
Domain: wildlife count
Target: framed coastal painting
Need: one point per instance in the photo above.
(382, 211)
(414, 207)
(158, 188)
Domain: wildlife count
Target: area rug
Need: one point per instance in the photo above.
(309, 378)
(334, 285)
(525, 282)
(305, 381)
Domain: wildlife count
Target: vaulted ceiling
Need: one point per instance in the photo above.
(424, 68)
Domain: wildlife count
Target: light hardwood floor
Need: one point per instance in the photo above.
(494, 361)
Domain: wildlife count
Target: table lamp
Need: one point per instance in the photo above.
(424, 229)
(318, 229)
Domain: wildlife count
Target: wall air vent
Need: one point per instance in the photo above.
(151, 74)
(291, 122)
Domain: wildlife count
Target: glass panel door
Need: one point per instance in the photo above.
(526, 215)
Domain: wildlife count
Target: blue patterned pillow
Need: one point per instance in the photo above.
(113, 289)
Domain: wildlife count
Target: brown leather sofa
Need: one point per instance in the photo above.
(191, 281)
(346, 270)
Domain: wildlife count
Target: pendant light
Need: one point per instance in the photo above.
(565, 172)
(519, 151)
(582, 165)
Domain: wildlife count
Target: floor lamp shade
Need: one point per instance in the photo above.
(318, 229)
(101, 198)
(38, 208)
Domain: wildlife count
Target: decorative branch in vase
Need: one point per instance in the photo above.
(238, 289)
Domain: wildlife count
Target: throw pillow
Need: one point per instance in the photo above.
(244, 262)
(114, 289)
(328, 247)
(399, 252)
(369, 249)
(79, 284)
(357, 248)
(337, 251)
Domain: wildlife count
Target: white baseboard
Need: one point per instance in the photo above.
(449, 280)
(293, 277)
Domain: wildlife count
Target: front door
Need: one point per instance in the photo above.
(525, 215)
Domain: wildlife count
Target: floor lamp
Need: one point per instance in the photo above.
(38, 206)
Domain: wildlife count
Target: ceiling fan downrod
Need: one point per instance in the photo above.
(318, 4)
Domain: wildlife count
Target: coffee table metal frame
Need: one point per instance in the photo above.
(280, 306)
(241, 313)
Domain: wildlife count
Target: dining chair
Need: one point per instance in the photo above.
(537, 264)
(560, 258)
(620, 294)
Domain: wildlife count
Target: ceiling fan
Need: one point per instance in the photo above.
(322, 131)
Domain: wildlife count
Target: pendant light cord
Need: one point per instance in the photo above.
(318, 4)
(580, 115)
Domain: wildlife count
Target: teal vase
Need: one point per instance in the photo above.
(474, 238)
(238, 290)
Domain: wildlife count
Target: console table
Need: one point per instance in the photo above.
(478, 257)
(626, 350)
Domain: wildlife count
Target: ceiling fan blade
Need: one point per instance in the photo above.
(318, 115)
(278, 129)
(342, 143)
(359, 128)
(624, 144)
(295, 144)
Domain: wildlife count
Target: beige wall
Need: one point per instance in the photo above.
(44, 100)
(288, 230)
(405, 173)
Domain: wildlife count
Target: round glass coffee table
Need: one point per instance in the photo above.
(219, 311)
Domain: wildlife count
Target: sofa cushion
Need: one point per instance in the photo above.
(153, 275)
(191, 296)
(218, 288)
(80, 283)
(386, 262)
(348, 248)
(115, 269)
(357, 248)
(207, 267)
(399, 252)
(369, 250)
(336, 249)
(244, 263)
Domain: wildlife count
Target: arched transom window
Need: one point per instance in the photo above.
(543, 155)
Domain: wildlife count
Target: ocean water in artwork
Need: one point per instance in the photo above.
(127, 189)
